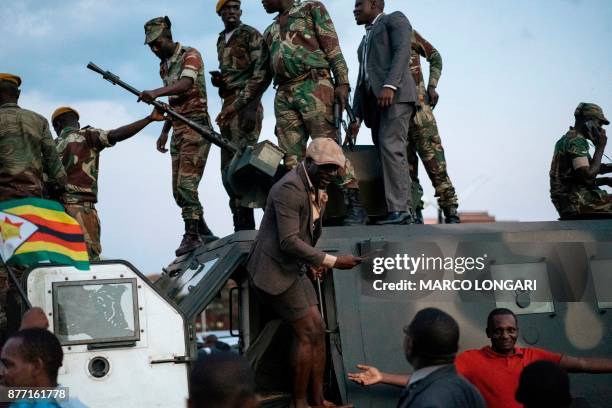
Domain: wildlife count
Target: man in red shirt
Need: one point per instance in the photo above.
(495, 369)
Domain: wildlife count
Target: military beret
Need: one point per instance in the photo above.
(61, 110)
(590, 111)
(10, 78)
(222, 3)
(154, 27)
(323, 150)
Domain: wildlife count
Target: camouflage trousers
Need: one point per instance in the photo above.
(596, 201)
(306, 109)
(243, 130)
(87, 216)
(189, 152)
(10, 302)
(425, 141)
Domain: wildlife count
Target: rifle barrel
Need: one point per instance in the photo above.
(208, 133)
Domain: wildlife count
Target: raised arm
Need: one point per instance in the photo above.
(127, 131)
(192, 64)
(579, 151)
(370, 375)
(586, 364)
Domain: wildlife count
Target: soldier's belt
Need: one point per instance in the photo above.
(314, 74)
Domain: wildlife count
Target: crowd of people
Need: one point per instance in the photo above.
(501, 375)
(32, 357)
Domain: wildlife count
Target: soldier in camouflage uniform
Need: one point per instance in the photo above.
(423, 135)
(239, 48)
(303, 48)
(79, 150)
(29, 167)
(574, 186)
(182, 72)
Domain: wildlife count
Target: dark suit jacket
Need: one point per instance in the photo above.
(286, 237)
(443, 388)
(388, 60)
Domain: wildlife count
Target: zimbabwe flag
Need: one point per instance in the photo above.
(34, 230)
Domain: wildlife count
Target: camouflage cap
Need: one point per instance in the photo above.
(10, 78)
(323, 150)
(222, 3)
(154, 27)
(61, 110)
(590, 111)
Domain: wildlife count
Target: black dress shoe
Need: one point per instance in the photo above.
(397, 217)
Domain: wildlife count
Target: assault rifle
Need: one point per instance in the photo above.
(340, 123)
(248, 175)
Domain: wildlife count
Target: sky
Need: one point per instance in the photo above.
(513, 74)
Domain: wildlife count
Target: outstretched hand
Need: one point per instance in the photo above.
(157, 115)
(368, 376)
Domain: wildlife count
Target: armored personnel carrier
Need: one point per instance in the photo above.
(129, 342)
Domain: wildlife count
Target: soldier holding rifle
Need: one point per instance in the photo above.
(182, 71)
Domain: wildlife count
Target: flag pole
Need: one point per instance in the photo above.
(13, 278)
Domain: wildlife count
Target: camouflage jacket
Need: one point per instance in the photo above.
(563, 177)
(422, 48)
(304, 39)
(186, 62)
(243, 63)
(27, 154)
(79, 151)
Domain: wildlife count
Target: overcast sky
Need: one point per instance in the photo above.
(513, 73)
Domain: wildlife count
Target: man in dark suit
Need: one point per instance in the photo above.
(385, 99)
(284, 251)
(430, 345)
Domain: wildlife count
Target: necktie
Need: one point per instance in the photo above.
(364, 56)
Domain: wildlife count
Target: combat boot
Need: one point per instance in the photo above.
(244, 220)
(418, 216)
(191, 239)
(450, 215)
(355, 213)
(205, 233)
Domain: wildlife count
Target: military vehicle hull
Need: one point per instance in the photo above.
(568, 312)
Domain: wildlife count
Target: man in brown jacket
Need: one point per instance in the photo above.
(284, 251)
